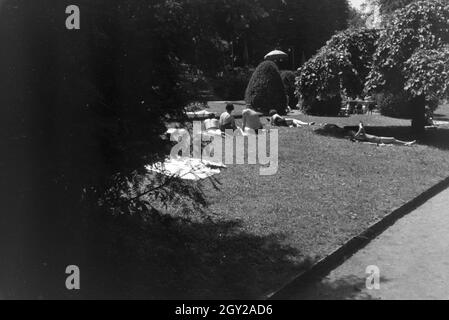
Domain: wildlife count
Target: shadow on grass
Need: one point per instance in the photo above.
(174, 258)
(438, 138)
(344, 288)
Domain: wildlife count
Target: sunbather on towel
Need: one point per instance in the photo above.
(278, 121)
(362, 136)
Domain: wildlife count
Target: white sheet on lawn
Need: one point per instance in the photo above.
(440, 123)
(199, 114)
(176, 133)
(187, 168)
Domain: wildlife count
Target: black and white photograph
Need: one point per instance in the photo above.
(209, 151)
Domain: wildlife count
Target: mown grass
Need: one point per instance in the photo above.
(327, 190)
(258, 232)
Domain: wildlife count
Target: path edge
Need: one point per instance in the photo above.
(347, 250)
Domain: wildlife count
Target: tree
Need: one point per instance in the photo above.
(265, 90)
(358, 45)
(357, 19)
(83, 112)
(339, 69)
(218, 33)
(304, 26)
(318, 85)
(420, 28)
(389, 6)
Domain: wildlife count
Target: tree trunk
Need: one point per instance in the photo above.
(418, 115)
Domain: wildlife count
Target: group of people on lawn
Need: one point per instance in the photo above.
(251, 121)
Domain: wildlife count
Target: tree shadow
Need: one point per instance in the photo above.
(344, 288)
(176, 258)
(435, 137)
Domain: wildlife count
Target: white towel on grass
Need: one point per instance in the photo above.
(187, 168)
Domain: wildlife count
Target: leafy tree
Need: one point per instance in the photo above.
(389, 6)
(319, 83)
(82, 113)
(356, 19)
(358, 45)
(289, 78)
(265, 90)
(399, 62)
(428, 72)
(340, 68)
(238, 33)
(304, 26)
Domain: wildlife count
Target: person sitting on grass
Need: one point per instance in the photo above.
(278, 121)
(251, 120)
(362, 136)
(227, 120)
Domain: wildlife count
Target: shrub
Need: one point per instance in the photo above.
(265, 90)
(394, 105)
(288, 78)
(319, 84)
(231, 84)
(330, 106)
(400, 105)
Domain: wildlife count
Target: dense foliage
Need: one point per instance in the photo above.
(288, 78)
(82, 113)
(231, 84)
(388, 6)
(396, 105)
(428, 72)
(265, 90)
(217, 34)
(412, 43)
(339, 69)
(319, 81)
(359, 46)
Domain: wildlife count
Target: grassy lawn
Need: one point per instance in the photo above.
(326, 191)
(258, 232)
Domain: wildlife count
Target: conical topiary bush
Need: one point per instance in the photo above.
(266, 90)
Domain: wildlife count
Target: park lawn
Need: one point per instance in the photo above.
(327, 190)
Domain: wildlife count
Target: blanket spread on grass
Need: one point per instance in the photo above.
(187, 168)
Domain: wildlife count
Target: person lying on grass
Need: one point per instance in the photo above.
(278, 121)
(362, 136)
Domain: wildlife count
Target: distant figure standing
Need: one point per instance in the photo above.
(251, 120)
(227, 121)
